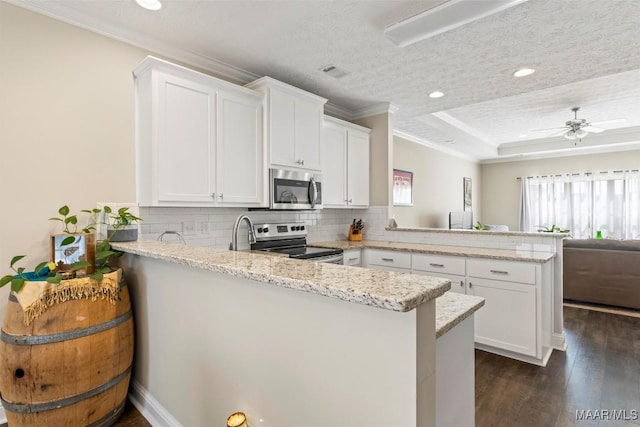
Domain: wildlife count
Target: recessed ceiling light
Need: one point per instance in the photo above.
(523, 72)
(150, 4)
(436, 94)
(524, 135)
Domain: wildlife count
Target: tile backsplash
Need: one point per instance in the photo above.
(212, 227)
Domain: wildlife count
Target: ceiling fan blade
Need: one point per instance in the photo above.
(590, 128)
(540, 130)
(607, 122)
(560, 132)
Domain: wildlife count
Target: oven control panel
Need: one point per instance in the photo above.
(288, 230)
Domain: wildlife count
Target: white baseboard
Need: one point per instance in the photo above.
(150, 408)
(3, 416)
(558, 342)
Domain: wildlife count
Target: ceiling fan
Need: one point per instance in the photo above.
(579, 128)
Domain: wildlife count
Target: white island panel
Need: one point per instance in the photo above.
(210, 343)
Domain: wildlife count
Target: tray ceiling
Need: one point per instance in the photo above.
(585, 53)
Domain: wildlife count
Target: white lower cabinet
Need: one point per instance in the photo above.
(518, 297)
(388, 260)
(352, 257)
(508, 319)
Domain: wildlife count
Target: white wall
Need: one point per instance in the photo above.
(500, 190)
(437, 184)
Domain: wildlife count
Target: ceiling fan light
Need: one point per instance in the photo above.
(581, 133)
(522, 72)
(570, 134)
(150, 4)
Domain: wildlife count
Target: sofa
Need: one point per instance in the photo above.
(602, 271)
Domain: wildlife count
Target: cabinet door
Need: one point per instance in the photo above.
(351, 257)
(508, 318)
(357, 169)
(282, 131)
(308, 125)
(184, 156)
(334, 160)
(240, 166)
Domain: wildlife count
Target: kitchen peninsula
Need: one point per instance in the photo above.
(228, 331)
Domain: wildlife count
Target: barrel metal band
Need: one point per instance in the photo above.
(63, 336)
(110, 418)
(28, 408)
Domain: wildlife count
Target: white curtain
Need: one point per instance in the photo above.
(583, 204)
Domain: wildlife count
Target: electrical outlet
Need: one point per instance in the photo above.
(204, 228)
(188, 228)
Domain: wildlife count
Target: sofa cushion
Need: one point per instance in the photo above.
(610, 244)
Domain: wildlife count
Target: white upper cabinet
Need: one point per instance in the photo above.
(199, 140)
(293, 124)
(345, 164)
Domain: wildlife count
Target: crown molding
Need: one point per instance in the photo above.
(565, 152)
(58, 11)
(385, 107)
(433, 145)
(336, 110)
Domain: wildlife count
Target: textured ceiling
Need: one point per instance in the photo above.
(585, 53)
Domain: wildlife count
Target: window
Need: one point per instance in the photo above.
(583, 204)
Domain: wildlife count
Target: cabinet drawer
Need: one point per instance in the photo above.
(351, 257)
(389, 258)
(439, 264)
(510, 271)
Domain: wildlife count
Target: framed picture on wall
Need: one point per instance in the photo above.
(402, 188)
(466, 185)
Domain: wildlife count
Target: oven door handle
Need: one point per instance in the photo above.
(333, 259)
(312, 192)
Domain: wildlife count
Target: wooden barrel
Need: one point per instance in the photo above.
(70, 367)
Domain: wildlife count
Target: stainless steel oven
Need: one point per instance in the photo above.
(294, 190)
(291, 239)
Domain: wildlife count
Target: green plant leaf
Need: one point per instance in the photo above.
(98, 275)
(64, 210)
(16, 259)
(55, 279)
(40, 267)
(17, 284)
(68, 240)
(71, 220)
(104, 254)
(20, 270)
(107, 209)
(6, 279)
(55, 219)
(79, 265)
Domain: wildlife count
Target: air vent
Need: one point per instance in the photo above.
(334, 71)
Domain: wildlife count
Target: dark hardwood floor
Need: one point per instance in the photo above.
(599, 371)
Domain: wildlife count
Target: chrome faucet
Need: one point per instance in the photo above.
(233, 246)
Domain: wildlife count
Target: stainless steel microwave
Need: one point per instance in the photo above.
(294, 190)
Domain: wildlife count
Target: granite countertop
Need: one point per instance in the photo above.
(469, 231)
(453, 308)
(501, 254)
(388, 290)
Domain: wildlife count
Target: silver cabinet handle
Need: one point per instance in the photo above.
(462, 283)
(213, 195)
(353, 259)
(350, 200)
(388, 259)
(436, 265)
(302, 162)
(470, 285)
(499, 272)
(221, 196)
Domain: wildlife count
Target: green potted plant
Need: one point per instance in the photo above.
(552, 229)
(121, 225)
